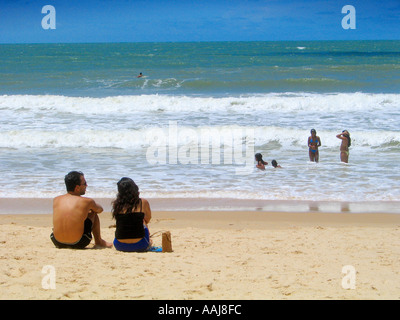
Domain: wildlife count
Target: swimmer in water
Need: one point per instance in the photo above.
(260, 162)
(275, 164)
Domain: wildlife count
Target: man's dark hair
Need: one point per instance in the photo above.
(73, 179)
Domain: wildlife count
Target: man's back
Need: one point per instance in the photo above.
(69, 214)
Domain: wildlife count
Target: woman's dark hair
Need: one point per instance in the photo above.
(73, 179)
(127, 198)
(274, 163)
(259, 158)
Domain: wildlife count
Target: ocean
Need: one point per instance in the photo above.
(189, 128)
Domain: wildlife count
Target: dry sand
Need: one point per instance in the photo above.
(240, 255)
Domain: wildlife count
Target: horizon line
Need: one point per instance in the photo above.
(200, 41)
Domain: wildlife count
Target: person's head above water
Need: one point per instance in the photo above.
(258, 157)
(275, 164)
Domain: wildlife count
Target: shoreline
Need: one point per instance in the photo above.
(44, 205)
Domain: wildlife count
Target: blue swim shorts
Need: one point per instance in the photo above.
(141, 246)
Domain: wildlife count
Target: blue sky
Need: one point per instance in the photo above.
(200, 20)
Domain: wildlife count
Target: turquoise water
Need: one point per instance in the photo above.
(210, 68)
(191, 125)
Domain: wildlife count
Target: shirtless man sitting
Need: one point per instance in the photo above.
(76, 217)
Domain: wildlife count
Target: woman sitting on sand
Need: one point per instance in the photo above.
(260, 162)
(132, 215)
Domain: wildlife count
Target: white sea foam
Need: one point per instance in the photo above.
(44, 137)
(286, 102)
(267, 136)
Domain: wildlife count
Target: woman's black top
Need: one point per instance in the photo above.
(130, 225)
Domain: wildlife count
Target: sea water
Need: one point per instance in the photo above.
(190, 126)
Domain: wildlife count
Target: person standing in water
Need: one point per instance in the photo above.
(344, 147)
(313, 143)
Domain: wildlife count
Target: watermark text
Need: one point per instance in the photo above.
(230, 145)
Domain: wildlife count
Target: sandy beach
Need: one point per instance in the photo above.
(229, 255)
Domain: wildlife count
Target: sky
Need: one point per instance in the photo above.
(76, 21)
